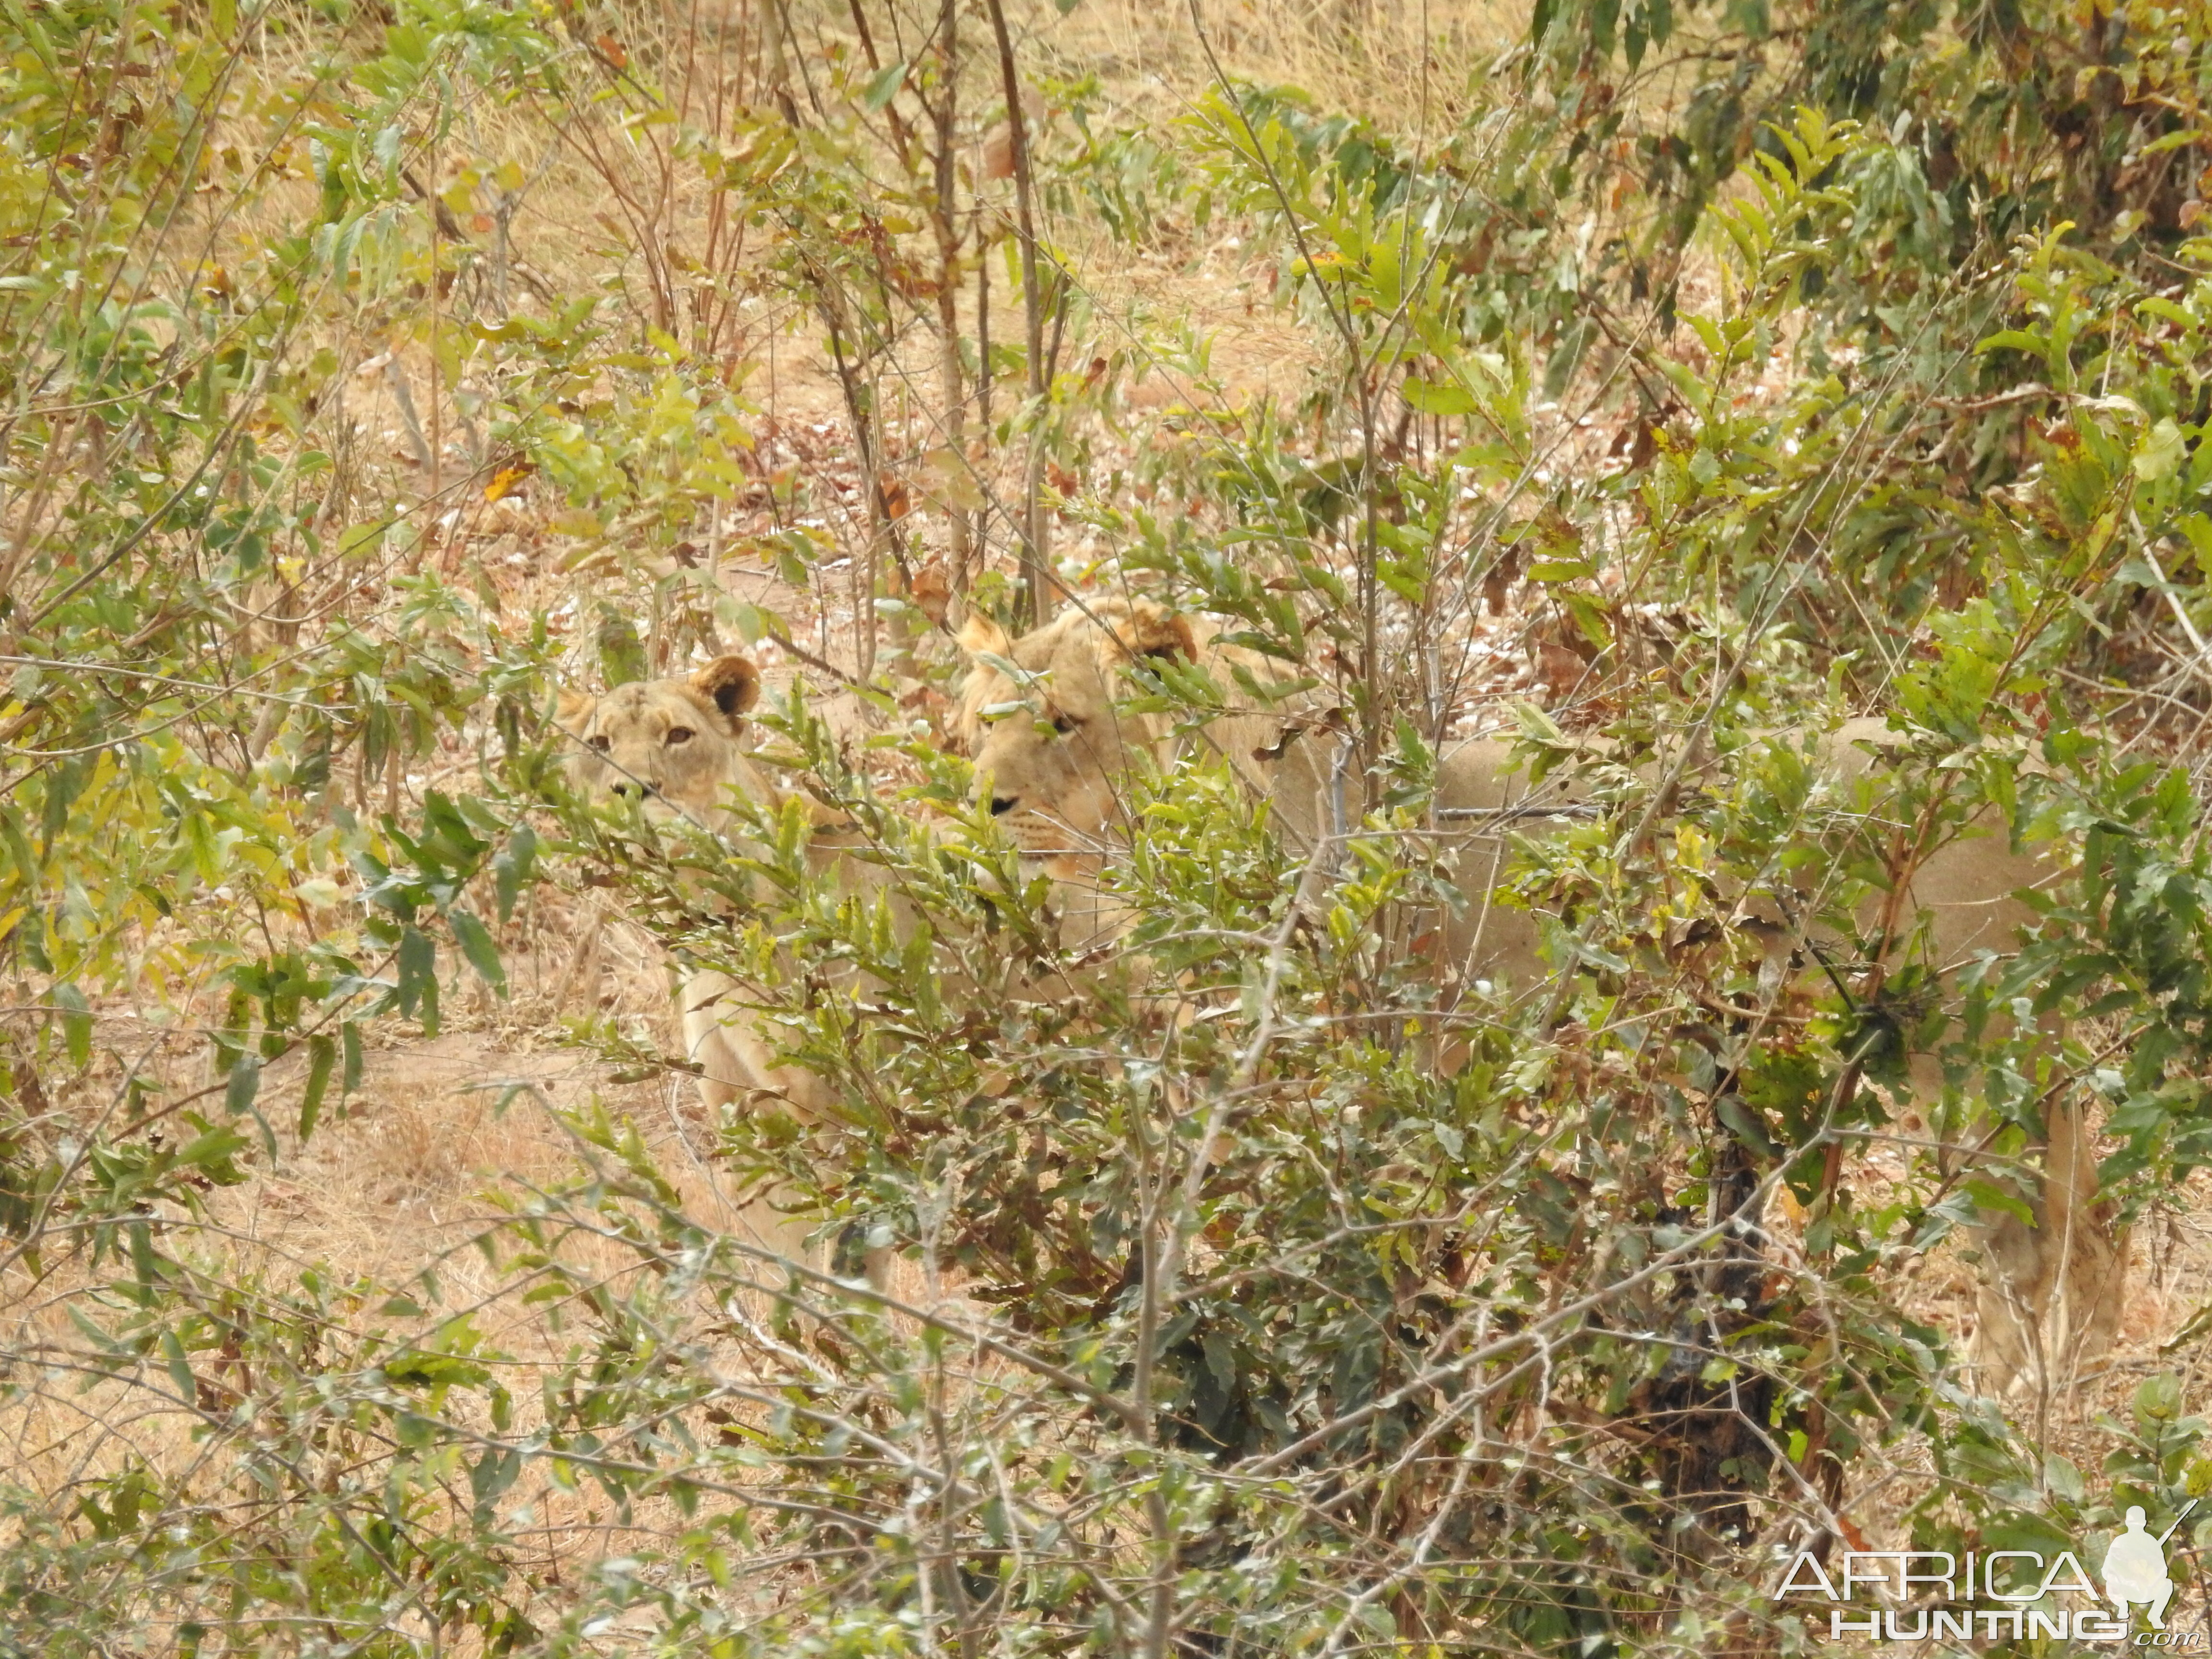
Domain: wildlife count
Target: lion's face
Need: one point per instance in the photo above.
(674, 743)
(1052, 751)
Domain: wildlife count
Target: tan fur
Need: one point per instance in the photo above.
(1056, 771)
(680, 745)
(1055, 750)
(627, 742)
(2050, 1295)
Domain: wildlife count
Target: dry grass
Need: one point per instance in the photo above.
(1405, 64)
(397, 1184)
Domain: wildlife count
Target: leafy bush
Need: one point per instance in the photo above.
(1254, 1281)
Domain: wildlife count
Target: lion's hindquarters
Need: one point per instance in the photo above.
(1483, 801)
(2048, 1300)
(2051, 1294)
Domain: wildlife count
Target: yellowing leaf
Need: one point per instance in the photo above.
(2160, 454)
(504, 481)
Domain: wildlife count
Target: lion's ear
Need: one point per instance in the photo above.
(979, 634)
(575, 709)
(732, 683)
(1153, 630)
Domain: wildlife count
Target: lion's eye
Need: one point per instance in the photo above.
(600, 741)
(678, 734)
(1064, 724)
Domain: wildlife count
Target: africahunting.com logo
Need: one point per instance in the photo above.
(1931, 1596)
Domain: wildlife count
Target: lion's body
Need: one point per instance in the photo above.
(1058, 767)
(623, 746)
(1056, 748)
(1964, 889)
(2048, 1297)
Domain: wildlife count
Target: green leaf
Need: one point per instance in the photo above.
(76, 1023)
(212, 1152)
(475, 943)
(511, 867)
(180, 1369)
(2060, 1475)
(1992, 1199)
(142, 1265)
(245, 1082)
(1536, 725)
(1746, 1125)
(1437, 397)
(494, 1472)
(322, 1057)
(2158, 1399)
(883, 88)
(2160, 454)
(418, 978)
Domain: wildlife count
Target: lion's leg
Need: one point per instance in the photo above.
(2084, 1268)
(1088, 917)
(2007, 1344)
(581, 971)
(735, 1060)
(2052, 1290)
(707, 1002)
(736, 1064)
(2007, 1341)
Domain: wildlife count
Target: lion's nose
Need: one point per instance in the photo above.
(628, 787)
(1002, 804)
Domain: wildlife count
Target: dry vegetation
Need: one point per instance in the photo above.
(373, 1280)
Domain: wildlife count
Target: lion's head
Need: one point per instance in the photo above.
(1051, 747)
(676, 743)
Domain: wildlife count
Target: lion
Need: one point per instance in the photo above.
(1055, 744)
(1056, 761)
(679, 747)
(1056, 756)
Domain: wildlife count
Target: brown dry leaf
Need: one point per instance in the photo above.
(613, 50)
(931, 591)
(1495, 587)
(1560, 669)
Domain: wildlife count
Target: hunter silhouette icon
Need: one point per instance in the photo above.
(2134, 1569)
